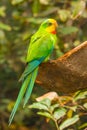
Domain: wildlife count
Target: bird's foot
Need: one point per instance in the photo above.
(38, 82)
(51, 61)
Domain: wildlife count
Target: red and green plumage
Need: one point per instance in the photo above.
(41, 46)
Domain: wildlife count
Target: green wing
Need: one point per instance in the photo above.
(40, 47)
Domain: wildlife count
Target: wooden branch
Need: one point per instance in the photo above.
(68, 73)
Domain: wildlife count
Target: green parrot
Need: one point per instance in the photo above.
(41, 46)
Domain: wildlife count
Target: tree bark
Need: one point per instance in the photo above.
(68, 73)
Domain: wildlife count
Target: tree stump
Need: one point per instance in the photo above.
(68, 73)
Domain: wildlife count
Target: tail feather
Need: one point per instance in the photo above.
(28, 78)
(20, 96)
(30, 68)
(30, 86)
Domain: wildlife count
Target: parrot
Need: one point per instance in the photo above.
(41, 46)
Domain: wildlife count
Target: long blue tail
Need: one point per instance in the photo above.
(26, 86)
(30, 86)
(28, 77)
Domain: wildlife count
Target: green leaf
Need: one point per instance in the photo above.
(46, 102)
(35, 21)
(85, 105)
(2, 35)
(69, 122)
(2, 11)
(63, 14)
(44, 2)
(78, 8)
(59, 113)
(36, 7)
(80, 95)
(15, 2)
(26, 35)
(54, 106)
(83, 126)
(38, 106)
(5, 26)
(73, 108)
(68, 30)
(46, 114)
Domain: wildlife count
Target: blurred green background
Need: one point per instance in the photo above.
(19, 19)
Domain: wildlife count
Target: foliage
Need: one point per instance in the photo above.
(64, 111)
(19, 19)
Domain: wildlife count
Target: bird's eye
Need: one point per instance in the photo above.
(49, 24)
